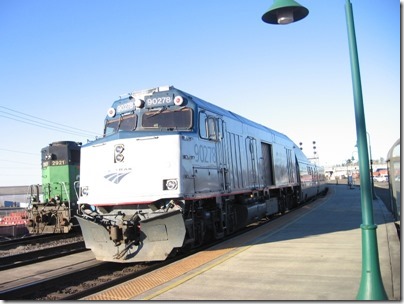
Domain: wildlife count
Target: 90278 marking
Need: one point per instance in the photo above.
(158, 101)
(205, 154)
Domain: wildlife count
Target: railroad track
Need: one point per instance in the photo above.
(85, 277)
(34, 239)
(29, 282)
(30, 257)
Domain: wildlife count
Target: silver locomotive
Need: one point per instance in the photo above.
(174, 171)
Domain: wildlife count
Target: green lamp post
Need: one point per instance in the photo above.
(371, 285)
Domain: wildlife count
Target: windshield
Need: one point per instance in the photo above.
(179, 119)
(123, 123)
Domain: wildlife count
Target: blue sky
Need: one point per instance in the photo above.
(66, 61)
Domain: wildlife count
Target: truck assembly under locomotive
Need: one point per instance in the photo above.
(60, 178)
(174, 171)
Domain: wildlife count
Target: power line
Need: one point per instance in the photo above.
(15, 168)
(39, 122)
(55, 123)
(45, 126)
(18, 162)
(36, 154)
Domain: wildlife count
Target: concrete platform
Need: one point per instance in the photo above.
(313, 253)
(317, 256)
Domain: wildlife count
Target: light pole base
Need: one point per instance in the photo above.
(371, 286)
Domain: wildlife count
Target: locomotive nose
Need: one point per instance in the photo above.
(151, 239)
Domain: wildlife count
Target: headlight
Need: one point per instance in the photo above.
(118, 153)
(111, 112)
(139, 103)
(119, 158)
(84, 191)
(170, 184)
(178, 100)
(119, 148)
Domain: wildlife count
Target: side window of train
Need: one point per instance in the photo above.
(202, 125)
(208, 126)
(212, 128)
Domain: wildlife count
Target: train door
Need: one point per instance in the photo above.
(212, 128)
(222, 155)
(290, 166)
(251, 148)
(299, 180)
(216, 127)
(267, 164)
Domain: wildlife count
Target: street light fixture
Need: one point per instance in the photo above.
(371, 286)
(285, 12)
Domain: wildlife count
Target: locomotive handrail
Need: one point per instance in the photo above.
(76, 186)
(63, 184)
(31, 194)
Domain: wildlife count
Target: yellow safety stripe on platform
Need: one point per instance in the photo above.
(158, 277)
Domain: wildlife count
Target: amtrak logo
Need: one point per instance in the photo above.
(116, 177)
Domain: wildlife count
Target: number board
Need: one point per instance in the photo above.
(48, 163)
(125, 107)
(156, 102)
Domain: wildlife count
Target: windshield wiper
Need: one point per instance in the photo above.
(157, 112)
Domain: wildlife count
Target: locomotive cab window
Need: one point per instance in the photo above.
(128, 123)
(208, 127)
(111, 126)
(123, 123)
(178, 119)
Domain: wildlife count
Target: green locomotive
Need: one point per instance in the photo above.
(60, 181)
